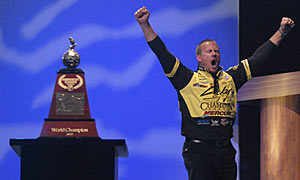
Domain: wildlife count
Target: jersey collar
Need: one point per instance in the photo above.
(220, 68)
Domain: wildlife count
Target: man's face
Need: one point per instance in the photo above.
(209, 57)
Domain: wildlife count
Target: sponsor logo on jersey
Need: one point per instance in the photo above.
(203, 121)
(224, 122)
(218, 113)
(224, 91)
(199, 85)
(215, 122)
(216, 106)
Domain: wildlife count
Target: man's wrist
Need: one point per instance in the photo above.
(145, 24)
(283, 33)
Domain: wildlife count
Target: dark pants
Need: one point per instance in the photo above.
(210, 161)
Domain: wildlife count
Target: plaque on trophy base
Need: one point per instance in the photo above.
(69, 114)
(69, 128)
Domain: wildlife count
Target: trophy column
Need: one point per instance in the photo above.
(69, 114)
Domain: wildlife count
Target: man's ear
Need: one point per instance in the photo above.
(198, 58)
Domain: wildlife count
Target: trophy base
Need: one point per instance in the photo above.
(69, 128)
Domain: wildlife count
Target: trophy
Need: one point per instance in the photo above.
(69, 146)
(69, 114)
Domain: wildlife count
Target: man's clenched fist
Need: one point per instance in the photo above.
(286, 25)
(142, 15)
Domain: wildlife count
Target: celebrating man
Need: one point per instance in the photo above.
(207, 98)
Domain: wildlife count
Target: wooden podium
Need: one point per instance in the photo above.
(279, 97)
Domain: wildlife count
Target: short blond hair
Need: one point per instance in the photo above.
(198, 48)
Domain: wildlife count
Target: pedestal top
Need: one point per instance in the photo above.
(277, 85)
(119, 144)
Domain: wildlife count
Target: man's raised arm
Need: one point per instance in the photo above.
(173, 68)
(263, 55)
(142, 17)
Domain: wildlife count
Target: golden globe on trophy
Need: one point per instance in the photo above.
(69, 114)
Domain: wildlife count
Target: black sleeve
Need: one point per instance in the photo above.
(254, 65)
(178, 74)
(262, 56)
(238, 73)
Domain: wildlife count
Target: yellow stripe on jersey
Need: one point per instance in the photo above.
(174, 70)
(247, 68)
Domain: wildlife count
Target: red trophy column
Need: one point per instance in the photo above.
(69, 114)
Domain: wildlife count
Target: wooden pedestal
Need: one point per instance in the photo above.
(279, 123)
(280, 138)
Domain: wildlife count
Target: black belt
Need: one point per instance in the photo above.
(218, 143)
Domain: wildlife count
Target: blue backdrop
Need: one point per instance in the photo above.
(129, 96)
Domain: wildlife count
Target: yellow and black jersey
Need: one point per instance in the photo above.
(208, 101)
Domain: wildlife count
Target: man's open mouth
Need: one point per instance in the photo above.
(214, 62)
